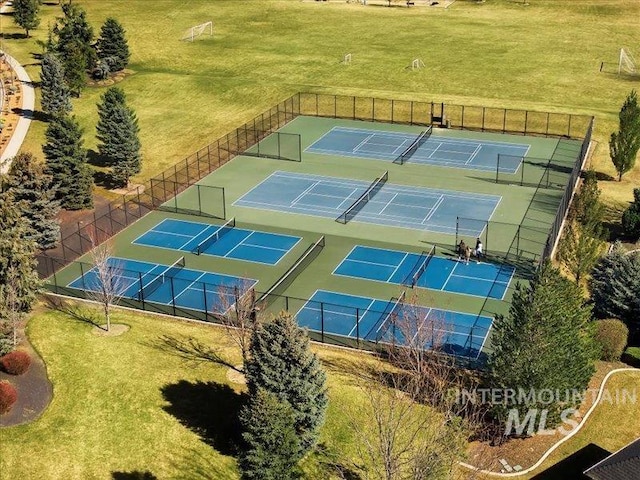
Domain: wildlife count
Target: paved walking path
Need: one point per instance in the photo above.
(28, 107)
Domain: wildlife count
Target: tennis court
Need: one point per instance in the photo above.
(402, 206)
(370, 319)
(169, 285)
(219, 240)
(483, 279)
(431, 150)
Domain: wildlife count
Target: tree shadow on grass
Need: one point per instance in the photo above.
(573, 466)
(209, 409)
(133, 475)
(94, 158)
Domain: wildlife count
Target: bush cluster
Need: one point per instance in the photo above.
(8, 396)
(16, 362)
(612, 335)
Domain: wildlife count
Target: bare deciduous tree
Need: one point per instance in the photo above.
(108, 284)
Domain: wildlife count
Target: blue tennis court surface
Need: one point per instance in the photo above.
(395, 205)
(371, 319)
(392, 266)
(437, 150)
(194, 289)
(236, 243)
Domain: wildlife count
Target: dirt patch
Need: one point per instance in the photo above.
(235, 376)
(112, 80)
(132, 189)
(115, 330)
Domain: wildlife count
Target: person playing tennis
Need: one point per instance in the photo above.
(478, 250)
(462, 249)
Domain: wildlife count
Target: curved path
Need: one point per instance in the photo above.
(560, 442)
(28, 107)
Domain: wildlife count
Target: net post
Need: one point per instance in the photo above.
(486, 239)
(224, 206)
(457, 232)
(84, 285)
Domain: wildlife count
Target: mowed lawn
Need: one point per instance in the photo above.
(544, 56)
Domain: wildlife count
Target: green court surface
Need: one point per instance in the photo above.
(525, 200)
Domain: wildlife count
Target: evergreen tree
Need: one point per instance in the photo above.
(17, 253)
(25, 14)
(72, 40)
(625, 143)
(117, 134)
(112, 44)
(615, 287)
(586, 207)
(282, 363)
(72, 178)
(546, 342)
(56, 98)
(32, 188)
(631, 217)
(272, 450)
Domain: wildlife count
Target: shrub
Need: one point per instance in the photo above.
(612, 335)
(8, 396)
(16, 362)
(631, 217)
(632, 356)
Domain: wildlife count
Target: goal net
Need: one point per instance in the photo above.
(194, 32)
(626, 64)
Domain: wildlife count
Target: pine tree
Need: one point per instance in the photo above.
(17, 253)
(272, 449)
(615, 287)
(546, 342)
(586, 208)
(72, 178)
(625, 144)
(32, 188)
(25, 14)
(282, 363)
(56, 98)
(72, 39)
(118, 136)
(112, 44)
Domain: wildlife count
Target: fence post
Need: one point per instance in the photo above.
(522, 164)
(173, 296)
(206, 308)
(411, 113)
(526, 120)
(358, 327)
(353, 116)
(322, 322)
(498, 168)
(393, 108)
(142, 299)
(199, 199)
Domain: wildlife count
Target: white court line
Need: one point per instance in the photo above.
(358, 319)
(402, 145)
(433, 209)
(339, 208)
(435, 150)
(396, 269)
(357, 147)
(307, 190)
(226, 255)
(478, 279)
(388, 203)
(473, 155)
(442, 289)
(187, 288)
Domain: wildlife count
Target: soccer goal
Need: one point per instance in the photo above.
(194, 32)
(626, 63)
(417, 64)
(346, 60)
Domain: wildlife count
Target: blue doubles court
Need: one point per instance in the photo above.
(443, 151)
(219, 240)
(371, 319)
(152, 282)
(395, 205)
(448, 275)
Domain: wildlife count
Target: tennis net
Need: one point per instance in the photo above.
(303, 261)
(420, 267)
(215, 236)
(380, 327)
(415, 145)
(363, 199)
(168, 273)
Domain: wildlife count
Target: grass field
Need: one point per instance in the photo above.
(544, 56)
